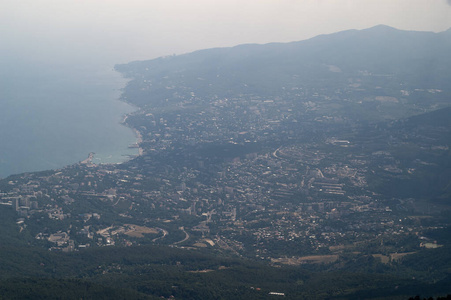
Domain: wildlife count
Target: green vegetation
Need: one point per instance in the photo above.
(150, 271)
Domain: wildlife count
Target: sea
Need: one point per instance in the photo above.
(52, 116)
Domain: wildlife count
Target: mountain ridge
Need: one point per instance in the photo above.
(378, 27)
(419, 58)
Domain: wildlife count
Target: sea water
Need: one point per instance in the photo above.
(55, 115)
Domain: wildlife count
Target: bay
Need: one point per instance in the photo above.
(55, 115)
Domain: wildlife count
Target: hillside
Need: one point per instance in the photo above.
(414, 59)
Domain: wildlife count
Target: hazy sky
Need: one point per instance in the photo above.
(116, 31)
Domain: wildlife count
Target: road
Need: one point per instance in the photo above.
(185, 239)
(165, 233)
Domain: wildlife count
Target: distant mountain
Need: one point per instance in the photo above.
(418, 60)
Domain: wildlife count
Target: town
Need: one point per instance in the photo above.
(292, 179)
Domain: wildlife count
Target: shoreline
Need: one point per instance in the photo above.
(138, 135)
(62, 157)
(124, 123)
(137, 144)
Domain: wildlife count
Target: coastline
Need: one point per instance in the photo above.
(61, 139)
(138, 134)
(123, 122)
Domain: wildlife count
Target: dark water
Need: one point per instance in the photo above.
(52, 116)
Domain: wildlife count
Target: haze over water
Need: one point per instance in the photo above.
(52, 116)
